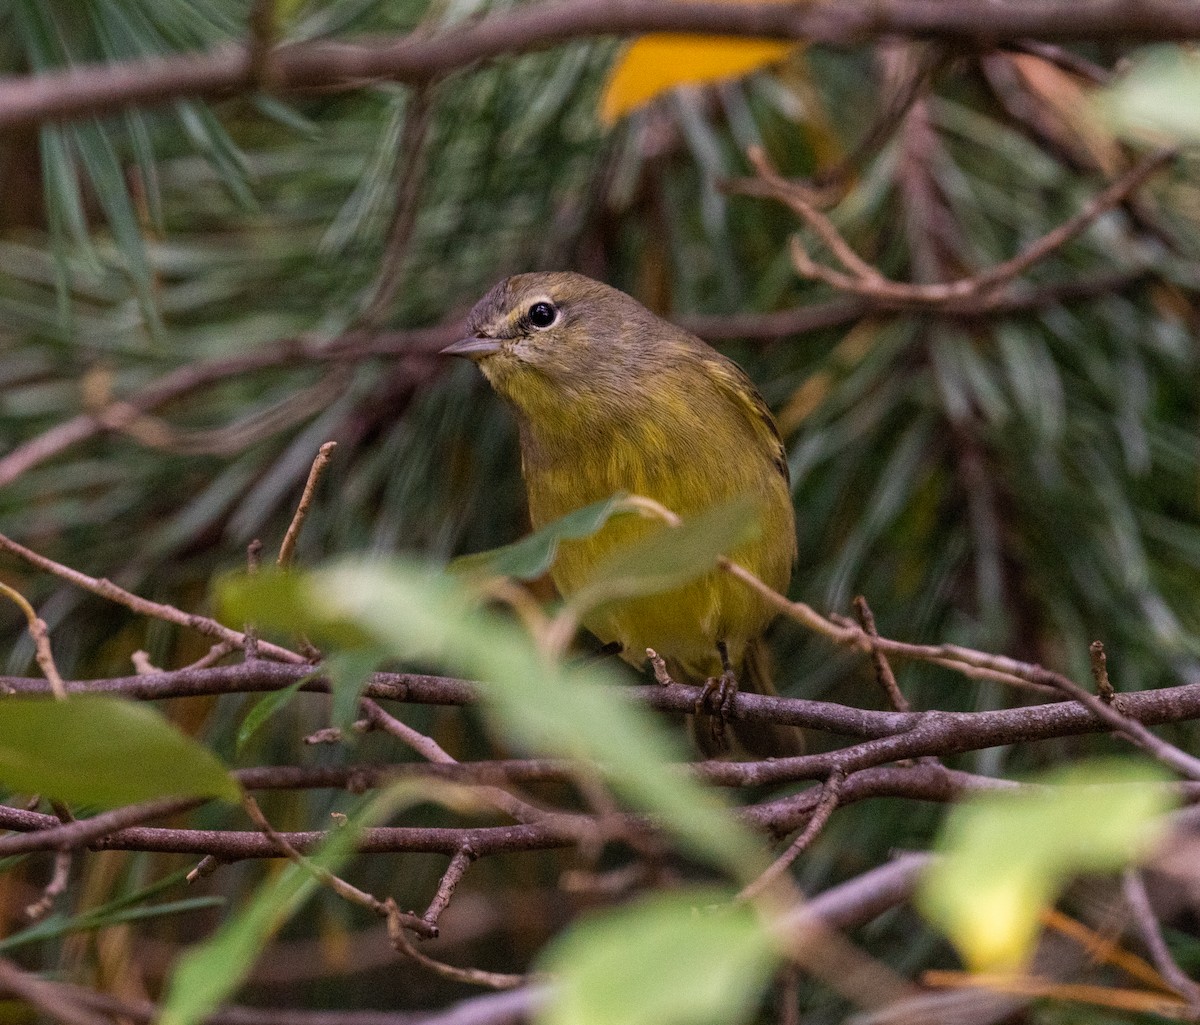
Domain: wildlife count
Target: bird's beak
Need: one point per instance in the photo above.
(473, 348)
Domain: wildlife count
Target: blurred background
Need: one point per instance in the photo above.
(1023, 479)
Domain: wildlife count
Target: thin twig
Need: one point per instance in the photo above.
(143, 606)
(471, 976)
(1139, 1001)
(327, 64)
(883, 669)
(861, 278)
(519, 808)
(54, 889)
(1104, 686)
(47, 997)
(347, 891)
(41, 640)
(450, 878)
(1134, 889)
(830, 792)
(288, 547)
(410, 165)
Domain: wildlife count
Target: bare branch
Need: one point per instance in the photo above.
(1134, 889)
(859, 278)
(288, 547)
(419, 57)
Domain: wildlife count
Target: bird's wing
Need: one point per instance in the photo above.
(744, 396)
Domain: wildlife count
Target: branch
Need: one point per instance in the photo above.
(417, 343)
(419, 57)
(859, 278)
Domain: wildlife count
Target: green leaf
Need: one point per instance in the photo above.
(412, 613)
(1158, 95)
(56, 925)
(532, 556)
(670, 959)
(103, 751)
(1007, 856)
(266, 707)
(349, 672)
(668, 556)
(122, 909)
(206, 976)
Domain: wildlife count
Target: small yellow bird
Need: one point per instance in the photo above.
(609, 398)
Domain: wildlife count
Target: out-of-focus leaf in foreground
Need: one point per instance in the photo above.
(670, 959)
(669, 556)
(1157, 96)
(81, 750)
(412, 612)
(1005, 857)
(533, 555)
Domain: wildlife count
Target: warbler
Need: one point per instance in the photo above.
(609, 397)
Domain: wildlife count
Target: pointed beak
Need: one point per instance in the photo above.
(473, 348)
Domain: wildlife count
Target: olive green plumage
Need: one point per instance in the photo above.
(608, 398)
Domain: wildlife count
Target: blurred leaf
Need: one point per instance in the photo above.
(208, 973)
(1007, 856)
(669, 959)
(1158, 95)
(348, 673)
(669, 556)
(122, 909)
(58, 925)
(532, 556)
(414, 613)
(656, 63)
(265, 708)
(103, 751)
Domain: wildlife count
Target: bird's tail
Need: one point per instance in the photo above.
(759, 739)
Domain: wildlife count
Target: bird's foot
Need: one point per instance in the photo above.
(716, 705)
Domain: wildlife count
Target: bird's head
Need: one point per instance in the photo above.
(555, 332)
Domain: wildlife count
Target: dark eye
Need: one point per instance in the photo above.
(542, 314)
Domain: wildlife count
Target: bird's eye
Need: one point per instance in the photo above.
(542, 314)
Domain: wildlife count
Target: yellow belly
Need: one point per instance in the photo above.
(683, 624)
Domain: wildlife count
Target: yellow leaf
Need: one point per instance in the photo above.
(653, 64)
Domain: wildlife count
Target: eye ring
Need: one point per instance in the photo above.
(542, 314)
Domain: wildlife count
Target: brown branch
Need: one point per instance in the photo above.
(419, 57)
(923, 782)
(410, 167)
(962, 731)
(47, 997)
(349, 348)
(450, 879)
(883, 669)
(1138, 900)
(288, 547)
(143, 606)
(63, 836)
(347, 891)
(40, 633)
(830, 796)
(859, 278)
(1104, 686)
(969, 662)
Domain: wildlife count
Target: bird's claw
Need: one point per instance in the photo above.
(716, 699)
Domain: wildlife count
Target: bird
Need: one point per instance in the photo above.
(608, 398)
